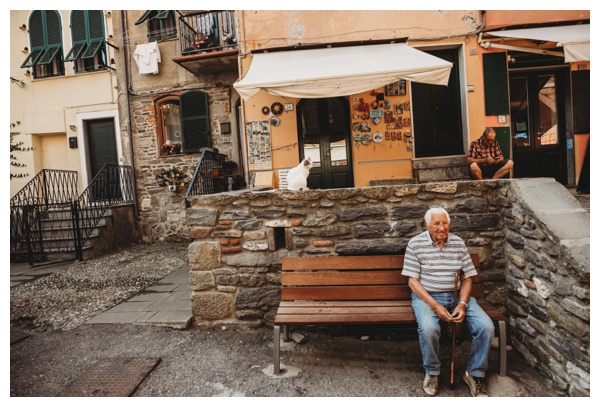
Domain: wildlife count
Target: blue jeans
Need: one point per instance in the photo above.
(478, 322)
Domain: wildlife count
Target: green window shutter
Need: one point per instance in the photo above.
(78, 31)
(48, 55)
(495, 80)
(78, 35)
(144, 17)
(162, 14)
(32, 59)
(53, 28)
(195, 121)
(92, 50)
(36, 30)
(96, 25)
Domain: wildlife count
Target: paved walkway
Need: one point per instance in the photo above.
(166, 303)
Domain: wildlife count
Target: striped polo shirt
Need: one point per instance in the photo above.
(434, 267)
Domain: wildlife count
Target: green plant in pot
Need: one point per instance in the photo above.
(216, 170)
(230, 166)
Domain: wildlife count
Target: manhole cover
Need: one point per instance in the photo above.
(111, 377)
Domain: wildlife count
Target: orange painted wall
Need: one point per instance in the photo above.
(503, 18)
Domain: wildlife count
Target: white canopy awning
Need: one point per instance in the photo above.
(341, 71)
(575, 39)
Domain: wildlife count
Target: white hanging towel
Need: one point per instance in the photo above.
(147, 57)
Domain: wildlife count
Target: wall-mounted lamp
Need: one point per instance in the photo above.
(23, 27)
(72, 127)
(17, 82)
(25, 50)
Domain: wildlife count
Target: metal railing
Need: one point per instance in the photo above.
(207, 31)
(47, 216)
(202, 182)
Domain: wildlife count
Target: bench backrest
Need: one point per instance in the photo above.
(350, 278)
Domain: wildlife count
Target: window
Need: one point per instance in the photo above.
(45, 38)
(183, 124)
(161, 24)
(87, 32)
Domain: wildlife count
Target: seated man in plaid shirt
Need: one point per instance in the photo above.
(485, 158)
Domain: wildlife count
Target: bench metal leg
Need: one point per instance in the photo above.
(286, 333)
(276, 360)
(502, 347)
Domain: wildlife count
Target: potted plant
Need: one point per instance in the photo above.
(216, 171)
(230, 166)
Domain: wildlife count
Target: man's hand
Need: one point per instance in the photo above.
(443, 313)
(459, 313)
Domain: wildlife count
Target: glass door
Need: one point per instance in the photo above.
(324, 136)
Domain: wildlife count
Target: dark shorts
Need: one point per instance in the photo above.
(488, 171)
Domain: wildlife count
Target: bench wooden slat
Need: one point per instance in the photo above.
(345, 293)
(345, 310)
(343, 278)
(377, 303)
(394, 262)
(374, 318)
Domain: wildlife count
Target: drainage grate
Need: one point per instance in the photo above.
(111, 377)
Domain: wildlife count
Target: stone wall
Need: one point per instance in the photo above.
(162, 213)
(240, 237)
(548, 282)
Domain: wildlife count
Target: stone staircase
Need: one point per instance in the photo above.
(114, 230)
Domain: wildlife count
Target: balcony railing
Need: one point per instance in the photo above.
(207, 31)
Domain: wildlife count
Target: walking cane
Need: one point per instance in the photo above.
(454, 333)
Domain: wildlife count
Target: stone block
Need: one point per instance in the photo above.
(201, 217)
(211, 305)
(204, 256)
(201, 280)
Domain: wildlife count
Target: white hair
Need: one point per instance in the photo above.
(435, 211)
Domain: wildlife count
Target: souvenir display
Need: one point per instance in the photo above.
(288, 107)
(265, 110)
(396, 88)
(361, 126)
(389, 116)
(376, 113)
(377, 137)
(374, 105)
(398, 108)
(386, 104)
(376, 120)
(258, 134)
(275, 121)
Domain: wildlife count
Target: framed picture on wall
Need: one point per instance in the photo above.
(396, 88)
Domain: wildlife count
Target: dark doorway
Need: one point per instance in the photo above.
(324, 136)
(103, 150)
(537, 123)
(436, 113)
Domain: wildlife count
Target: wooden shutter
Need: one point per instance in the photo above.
(495, 79)
(195, 121)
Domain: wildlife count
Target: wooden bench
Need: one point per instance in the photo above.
(356, 290)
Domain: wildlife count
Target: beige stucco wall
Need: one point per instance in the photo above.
(48, 107)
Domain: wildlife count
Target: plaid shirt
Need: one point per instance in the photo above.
(479, 150)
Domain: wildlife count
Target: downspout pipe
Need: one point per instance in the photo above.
(125, 32)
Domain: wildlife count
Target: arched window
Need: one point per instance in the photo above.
(183, 123)
(87, 33)
(45, 38)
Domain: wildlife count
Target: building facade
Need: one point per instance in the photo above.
(63, 93)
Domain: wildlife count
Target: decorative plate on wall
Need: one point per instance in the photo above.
(265, 110)
(276, 108)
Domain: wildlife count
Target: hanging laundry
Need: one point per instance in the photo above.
(147, 57)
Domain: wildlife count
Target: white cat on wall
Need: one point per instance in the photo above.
(297, 176)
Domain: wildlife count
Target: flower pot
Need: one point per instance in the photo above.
(217, 172)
